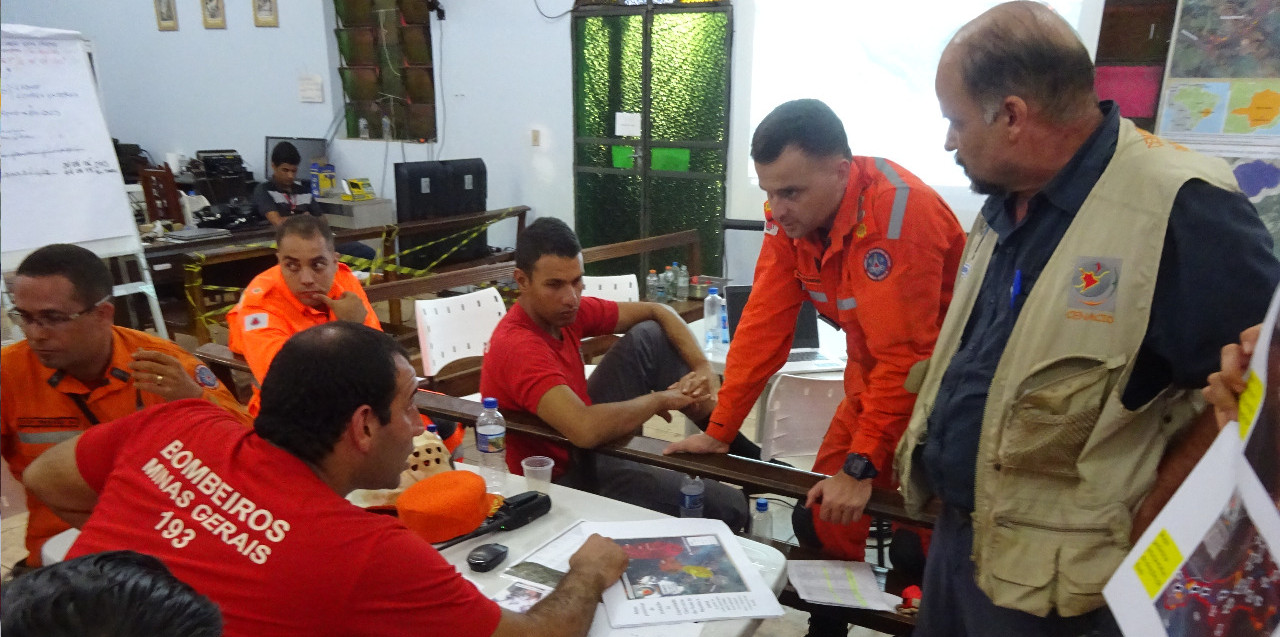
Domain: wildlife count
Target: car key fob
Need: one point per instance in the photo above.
(485, 557)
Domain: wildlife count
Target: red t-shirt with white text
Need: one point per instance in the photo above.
(253, 528)
(524, 362)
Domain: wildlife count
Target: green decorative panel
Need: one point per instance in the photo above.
(690, 70)
(609, 69)
(608, 211)
(679, 184)
(677, 204)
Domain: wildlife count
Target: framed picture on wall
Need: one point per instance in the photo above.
(265, 13)
(214, 14)
(166, 15)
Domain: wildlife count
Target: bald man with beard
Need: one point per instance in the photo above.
(1060, 408)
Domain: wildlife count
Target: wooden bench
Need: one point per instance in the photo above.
(752, 475)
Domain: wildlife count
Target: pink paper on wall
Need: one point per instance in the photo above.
(1136, 89)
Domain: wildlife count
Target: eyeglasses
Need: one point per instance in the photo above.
(51, 319)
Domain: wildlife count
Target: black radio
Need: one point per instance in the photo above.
(221, 163)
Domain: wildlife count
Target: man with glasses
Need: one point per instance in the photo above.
(77, 369)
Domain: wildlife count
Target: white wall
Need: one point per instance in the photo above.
(503, 71)
(506, 71)
(196, 88)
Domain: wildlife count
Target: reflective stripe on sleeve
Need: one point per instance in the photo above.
(45, 437)
(899, 198)
(846, 304)
(818, 297)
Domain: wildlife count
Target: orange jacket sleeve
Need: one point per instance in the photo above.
(900, 316)
(768, 325)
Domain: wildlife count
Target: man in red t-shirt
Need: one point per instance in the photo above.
(534, 364)
(256, 520)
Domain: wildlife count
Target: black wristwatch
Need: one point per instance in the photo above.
(860, 467)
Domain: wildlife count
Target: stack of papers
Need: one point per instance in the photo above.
(836, 583)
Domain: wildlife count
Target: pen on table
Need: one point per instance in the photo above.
(1016, 289)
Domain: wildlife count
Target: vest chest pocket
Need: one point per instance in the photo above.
(1053, 417)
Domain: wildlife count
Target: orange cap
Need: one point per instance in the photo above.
(446, 505)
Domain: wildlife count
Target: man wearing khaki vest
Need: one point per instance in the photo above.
(1059, 410)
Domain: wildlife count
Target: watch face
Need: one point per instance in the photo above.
(860, 467)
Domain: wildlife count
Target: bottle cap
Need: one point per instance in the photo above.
(491, 403)
(653, 271)
(432, 428)
(762, 504)
(713, 290)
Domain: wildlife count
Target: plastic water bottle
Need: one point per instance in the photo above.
(491, 441)
(651, 286)
(661, 287)
(691, 497)
(363, 126)
(762, 520)
(386, 126)
(724, 327)
(711, 321)
(672, 275)
(682, 284)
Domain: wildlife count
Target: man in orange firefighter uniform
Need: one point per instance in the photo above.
(875, 250)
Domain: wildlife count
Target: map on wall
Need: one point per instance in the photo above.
(1224, 71)
(1260, 181)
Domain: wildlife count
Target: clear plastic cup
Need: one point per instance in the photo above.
(537, 472)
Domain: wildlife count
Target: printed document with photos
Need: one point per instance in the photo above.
(683, 570)
(1207, 565)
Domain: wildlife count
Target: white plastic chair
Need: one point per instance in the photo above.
(621, 289)
(456, 327)
(796, 415)
(55, 548)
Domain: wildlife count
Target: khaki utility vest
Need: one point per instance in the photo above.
(1061, 463)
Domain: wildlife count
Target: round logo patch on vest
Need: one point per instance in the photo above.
(877, 264)
(205, 377)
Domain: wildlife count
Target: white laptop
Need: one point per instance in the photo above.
(806, 355)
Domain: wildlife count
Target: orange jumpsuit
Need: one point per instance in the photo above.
(268, 314)
(886, 279)
(40, 407)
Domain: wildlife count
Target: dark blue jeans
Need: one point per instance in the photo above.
(644, 361)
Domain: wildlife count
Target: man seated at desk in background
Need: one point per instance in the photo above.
(282, 197)
(307, 287)
(257, 520)
(875, 250)
(534, 364)
(76, 369)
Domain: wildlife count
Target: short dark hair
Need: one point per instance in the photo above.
(807, 124)
(112, 594)
(285, 153)
(86, 272)
(546, 235)
(1027, 52)
(306, 226)
(318, 379)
